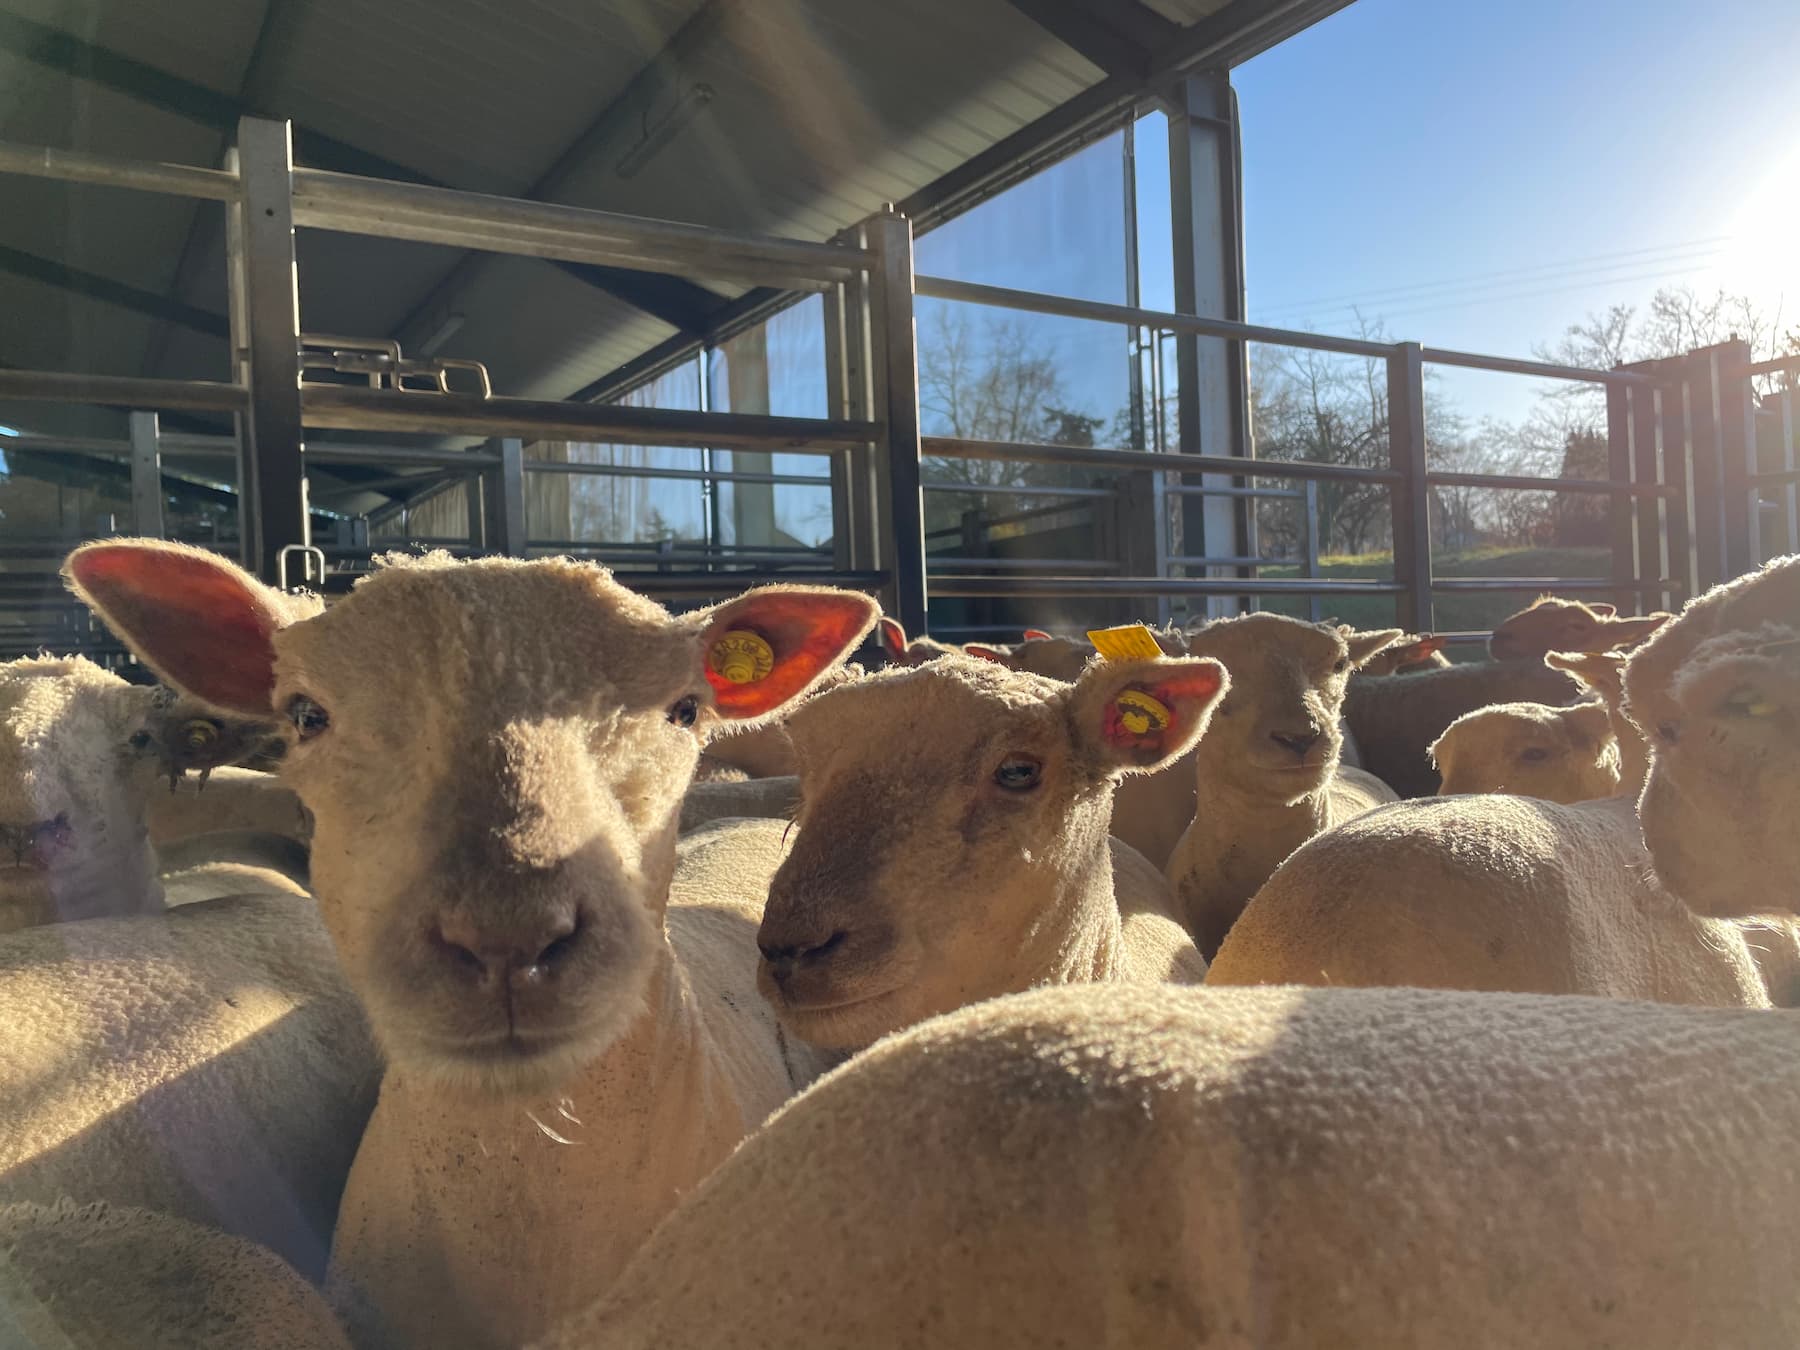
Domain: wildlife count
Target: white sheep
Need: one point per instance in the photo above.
(1603, 673)
(1373, 1169)
(1267, 778)
(953, 845)
(495, 755)
(100, 1277)
(1550, 624)
(1530, 750)
(210, 1063)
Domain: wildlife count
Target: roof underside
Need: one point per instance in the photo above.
(820, 111)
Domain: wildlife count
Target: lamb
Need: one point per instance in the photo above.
(1510, 893)
(76, 783)
(735, 754)
(1395, 718)
(494, 848)
(1603, 673)
(969, 858)
(188, 738)
(1531, 750)
(1288, 1168)
(210, 1063)
(1550, 624)
(1268, 776)
(901, 651)
(99, 1277)
(1408, 653)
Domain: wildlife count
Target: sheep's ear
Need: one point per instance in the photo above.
(1595, 669)
(1590, 722)
(982, 652)
(1429, 644)
(771, 645)
(205, 625)
(1621, 632)
(1036, 635)
(1138, 716)
(1364, 645)
(1603, 611)
(893, 638)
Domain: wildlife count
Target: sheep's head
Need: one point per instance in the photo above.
(1551, 624)
(948, 811)
(1276, 734)
(900, 651)
(74, 781)
(1409, 654)
(188, 738)
(1530, 750)
(1602, 672)
(1717, 694)
(494, 754)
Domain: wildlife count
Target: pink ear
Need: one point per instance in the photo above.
(893, 638)
(1187, 695)
(198, 621)
(984, 652)
(1428, 644)
(807, 632)
(1139, 716)
(1036, 635)
(1605, 611)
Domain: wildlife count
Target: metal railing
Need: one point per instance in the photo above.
(1685, 486)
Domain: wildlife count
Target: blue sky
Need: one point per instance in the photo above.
(1479, 175)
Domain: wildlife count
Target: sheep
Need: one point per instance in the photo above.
(1395, 718)
(210, 1063)
(1509, 893)
(968, 857)
(495, 753)
(1603, 674)
(735, 754)
(1374, 1169)
(188, 738)
(99, 1277)
(232, 798)
(901, 651)
(774, 798)
(1409, 652)
(1549, 624)
(1532, 750)
(1268, 776)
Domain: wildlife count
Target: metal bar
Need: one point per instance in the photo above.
(146, 476)
(1706, 446)
(123, 391)
(356, 205)
(1020, 564)
(1774, 478)
(1790, 476)
(345, 408)
(1528, 483)
(1022, 453)
(1543, 584)
(1737, 457)
(1411, 497)
(1672, 554)
(380, 456)
(1619, 508)
(896, 370)
(1773, 366)
(1225, 490)
(503, 492)
(1657, 431)
(1017, 490)
(690, 475)
(271, 478)
(1044, 588)
(1309, 537)
(1507, 365)
(74, 166)
(68, 445)
(1228, 560)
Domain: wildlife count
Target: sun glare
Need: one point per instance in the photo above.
(1763, 259)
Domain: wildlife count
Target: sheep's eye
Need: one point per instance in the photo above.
(1343, 664)
(1534, 754)
(1018, 773)
(140, 740)
(199, 734)
(685, 711)
(309, 718)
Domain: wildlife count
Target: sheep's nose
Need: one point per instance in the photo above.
(526, 949)
(783, 960)
(1297, 741)
(36, 842)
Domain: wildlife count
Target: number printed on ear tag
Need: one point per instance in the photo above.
(742, 657)
(1141, 713)
(1133, 642)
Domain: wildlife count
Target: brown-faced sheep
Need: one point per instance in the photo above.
(1268, 776)
(953, 845)
(495, 754)
(1604, 675)
(1550, 624)
(1408, 654)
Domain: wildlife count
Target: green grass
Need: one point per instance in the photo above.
(1453, 612)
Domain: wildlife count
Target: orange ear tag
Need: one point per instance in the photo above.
(1133, 642)
(741, 657)
(1140, 713)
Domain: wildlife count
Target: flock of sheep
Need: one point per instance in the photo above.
(595, 978)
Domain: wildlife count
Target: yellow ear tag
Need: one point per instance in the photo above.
(1133, 642)
(1140, 713)
(741, 657)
